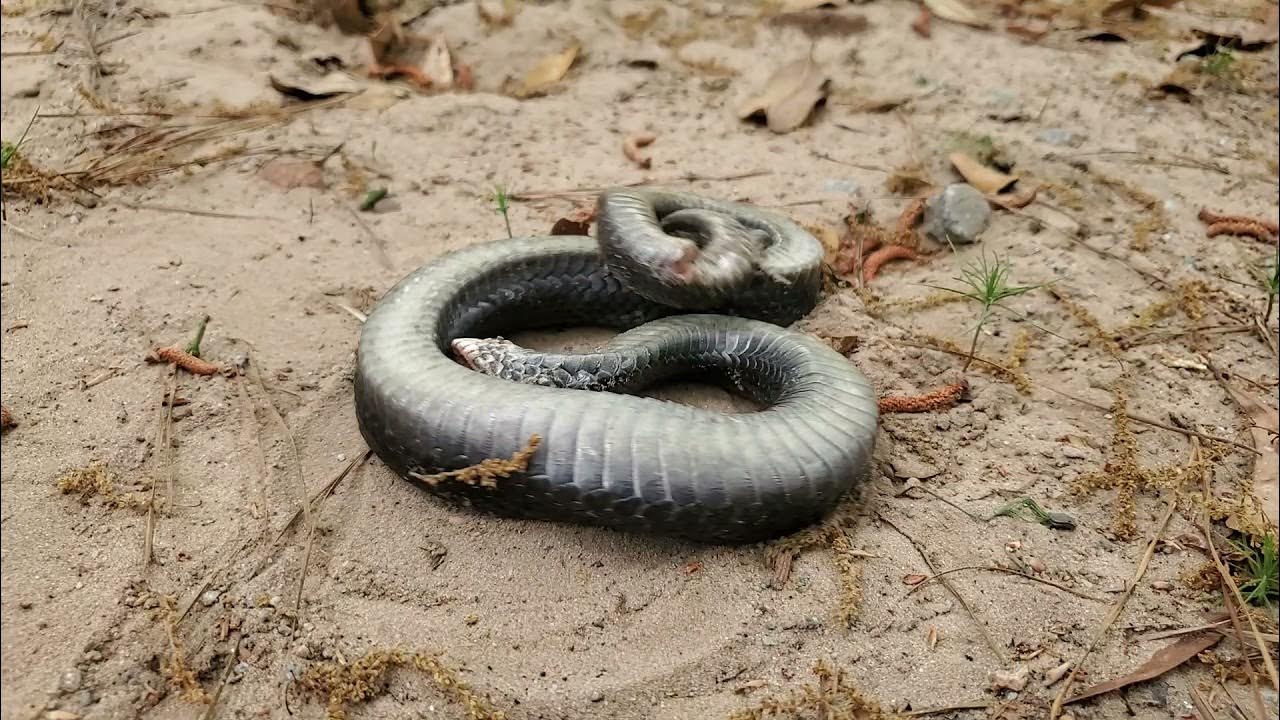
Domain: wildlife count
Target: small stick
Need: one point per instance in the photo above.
(1056, 709)
(166, 422)
(1008, 571)
(991, 643)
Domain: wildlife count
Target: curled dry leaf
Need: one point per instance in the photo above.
(498, 12)
(290, 173)
(547, 72)
(631, 145)
(988, 181)
(1015, 199)
(931, 637)
(914, 579)
(438, 63)
(955, 11)
(789, 96)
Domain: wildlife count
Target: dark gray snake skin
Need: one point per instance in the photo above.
(431, 394)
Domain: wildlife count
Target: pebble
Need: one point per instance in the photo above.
(209, 597)
(1061, 137)
(1074, 452)
(596, 696)
(959, 213)
(70, 680)
(905, 468)
(29, 91)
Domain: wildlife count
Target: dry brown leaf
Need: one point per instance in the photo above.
(438, 63)
(498, 12)
(914, 579)
(1164, 660)
(955, 11)
(547, 72)
(1015, 199)
(931, 637)
(789, 96)
(923, 23)
(290, 173)
(631, 145)
(6, 419)
(1264, 427)
(987, 180)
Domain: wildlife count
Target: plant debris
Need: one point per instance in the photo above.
(789, 96)
(956, 11)
(6, 418)
(632, 144)
(987, 180)
(547, 72)
(830, 697)
(1161, 662)
(98, 481)
(343, 685)
(941, 399)
(1051, 520)
(1218, 224)
(488, 472)
(577, 222)
(498, 13)
(184, 360)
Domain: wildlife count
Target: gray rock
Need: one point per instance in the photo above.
(907, 468)
(958, 214)
(70, 680)
(209, 597)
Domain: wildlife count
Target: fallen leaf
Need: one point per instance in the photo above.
(438, 63)
(631, 145)
(914, 579)
(1028, 32)
(308, 89)
(1264, 428)
(931, 637)
(498, 12)
(789, 96)
(956, 12)
(1056, 674)
(1015, 199)
(547, 72)
(6, 419)
(988, 181)
(692, 567)
(1161, 662)
(1014, 680)
(290, 173)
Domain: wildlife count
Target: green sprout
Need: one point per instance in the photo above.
(1262, 570)
(1220, 63)
(502, 201)
(988, 285)
(8, 150)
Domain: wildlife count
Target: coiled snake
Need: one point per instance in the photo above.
(432, 394)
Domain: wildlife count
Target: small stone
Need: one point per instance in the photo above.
(471, 619)
(1037, 565)
(958, 214)
(596, 696)
(209, 597)
(1014, 680)
(29, 91)
(1061, 137)
(1074, 452)
(70, 680)
(1162, 585)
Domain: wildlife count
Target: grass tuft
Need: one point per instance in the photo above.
(987, 284)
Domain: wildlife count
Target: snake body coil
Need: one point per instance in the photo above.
(608, 457)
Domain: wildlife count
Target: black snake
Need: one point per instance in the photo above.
(432, 395)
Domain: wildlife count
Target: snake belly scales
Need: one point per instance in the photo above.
(696, 286)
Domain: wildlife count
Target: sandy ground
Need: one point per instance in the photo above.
(548, 621)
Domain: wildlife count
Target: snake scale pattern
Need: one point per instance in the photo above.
(697, 287)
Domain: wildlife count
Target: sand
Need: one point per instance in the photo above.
(549, 621)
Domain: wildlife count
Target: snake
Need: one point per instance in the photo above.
(696, 287)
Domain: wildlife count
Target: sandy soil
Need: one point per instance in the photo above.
(548, 621)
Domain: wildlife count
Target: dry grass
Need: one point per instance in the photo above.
(487, 473)
(343, 685)
(180, 677)
(830, 698)
(832, 533)
(97, 480)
